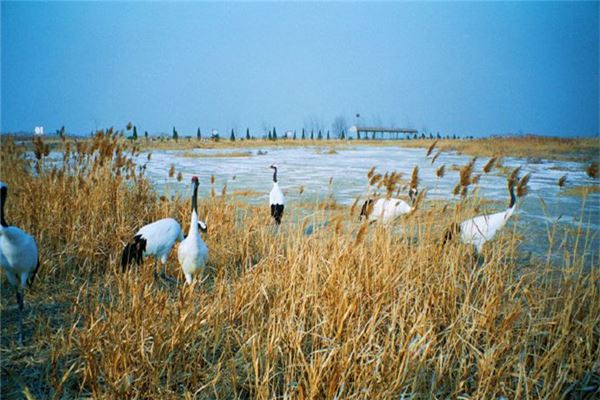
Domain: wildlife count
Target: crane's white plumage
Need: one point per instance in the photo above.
(276, 198)
(155, 239)
(276, 195)
(193, 252)
(478, 230)
(481, 229)
(387, 210)
(18, 256)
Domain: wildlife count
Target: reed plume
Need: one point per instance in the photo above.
(440, 171)
(593, 170)
(522, 186)
(513, 178)
(414, 179)
(371, 172)
(375, 179)
(391, 182)
(430, 149)
(466, 171)
(435, 157)
(456, 189)
(487, 168)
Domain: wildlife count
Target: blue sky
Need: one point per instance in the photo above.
(458, 68)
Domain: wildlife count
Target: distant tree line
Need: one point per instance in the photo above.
(339, 131)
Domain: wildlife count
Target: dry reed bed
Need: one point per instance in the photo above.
(526, 146)
(349, 312)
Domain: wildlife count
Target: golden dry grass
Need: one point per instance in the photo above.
(530, 146)
(353, 311)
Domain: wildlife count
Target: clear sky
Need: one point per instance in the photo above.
(458, 68)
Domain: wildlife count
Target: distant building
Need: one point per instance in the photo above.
(39, 130)
(380, 132)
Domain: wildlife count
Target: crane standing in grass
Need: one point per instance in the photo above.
(192, 252)
(276, 198)
(387, 210)
(18, 256)
(156, 240)
(481, 229)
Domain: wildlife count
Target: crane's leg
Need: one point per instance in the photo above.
(20, 304)
(164, 272)
(167, 277)
(155, 270)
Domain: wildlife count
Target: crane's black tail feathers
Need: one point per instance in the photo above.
(31, 277)
(366, 209)
(452, 231)
(277, 212)
(133, 252)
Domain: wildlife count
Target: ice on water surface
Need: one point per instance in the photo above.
(313, 167)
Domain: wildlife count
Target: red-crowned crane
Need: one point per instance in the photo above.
(193, 252)
(387, 210)
(18, 257)
(276, 198)
(481, 229)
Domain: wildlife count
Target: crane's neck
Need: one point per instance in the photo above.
(513, 199)
(194, 224)
(509, 212)
(3, 195)
(512, 205)
(194, 219)
(274, 175)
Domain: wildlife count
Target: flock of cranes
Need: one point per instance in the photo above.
(19, 251)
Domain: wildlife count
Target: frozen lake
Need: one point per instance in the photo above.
(313, 167)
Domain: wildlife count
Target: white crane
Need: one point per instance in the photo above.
(18, 257)
(192, 252)
(276, 198)
(155, 240)
(387, 210)
(481, 229)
